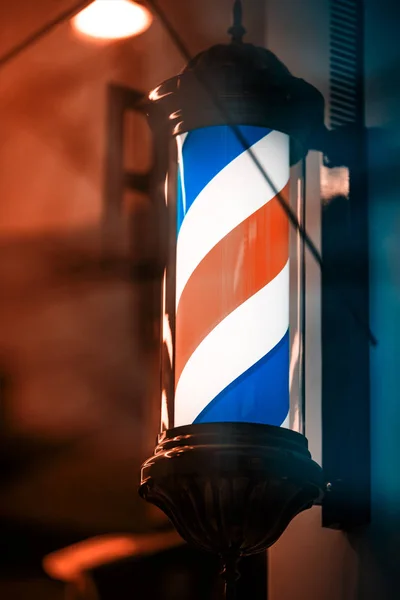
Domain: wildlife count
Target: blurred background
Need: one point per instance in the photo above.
(79, 306)
(80, 263)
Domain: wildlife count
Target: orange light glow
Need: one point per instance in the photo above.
(68, 564)
(112, 19)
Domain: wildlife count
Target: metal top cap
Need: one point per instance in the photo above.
(239, 84)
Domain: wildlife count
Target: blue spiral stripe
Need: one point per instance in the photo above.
(259, 395)
(217, 147)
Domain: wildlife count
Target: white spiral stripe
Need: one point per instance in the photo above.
(234, 194)
(235, 345)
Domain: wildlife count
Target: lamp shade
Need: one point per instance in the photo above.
(112, 19)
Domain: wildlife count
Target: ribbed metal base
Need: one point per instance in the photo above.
(231, 488)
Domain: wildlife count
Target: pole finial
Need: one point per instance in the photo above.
(237, 30)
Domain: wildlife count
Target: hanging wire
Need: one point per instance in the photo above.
(237, 31)
(43, 31)
(179, 43)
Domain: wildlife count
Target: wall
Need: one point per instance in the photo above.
(74, 398)
(309, 562)
(79, 406)
(379, 573)
(70, 344)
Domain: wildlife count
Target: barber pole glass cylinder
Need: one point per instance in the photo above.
(233, 295)
(227, 469)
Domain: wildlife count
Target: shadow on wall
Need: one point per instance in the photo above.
(79, 361)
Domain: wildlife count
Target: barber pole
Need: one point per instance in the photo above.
(231, 467)
(232, 278)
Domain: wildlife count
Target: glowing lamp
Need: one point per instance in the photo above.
(112, 19)
(232, 467)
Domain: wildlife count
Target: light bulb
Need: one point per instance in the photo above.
(112, 19)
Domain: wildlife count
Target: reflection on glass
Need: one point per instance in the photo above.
(296, 419)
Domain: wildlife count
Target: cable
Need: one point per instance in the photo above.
(37, 35)
(246, 147)
(69, 13)
(238, 134)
